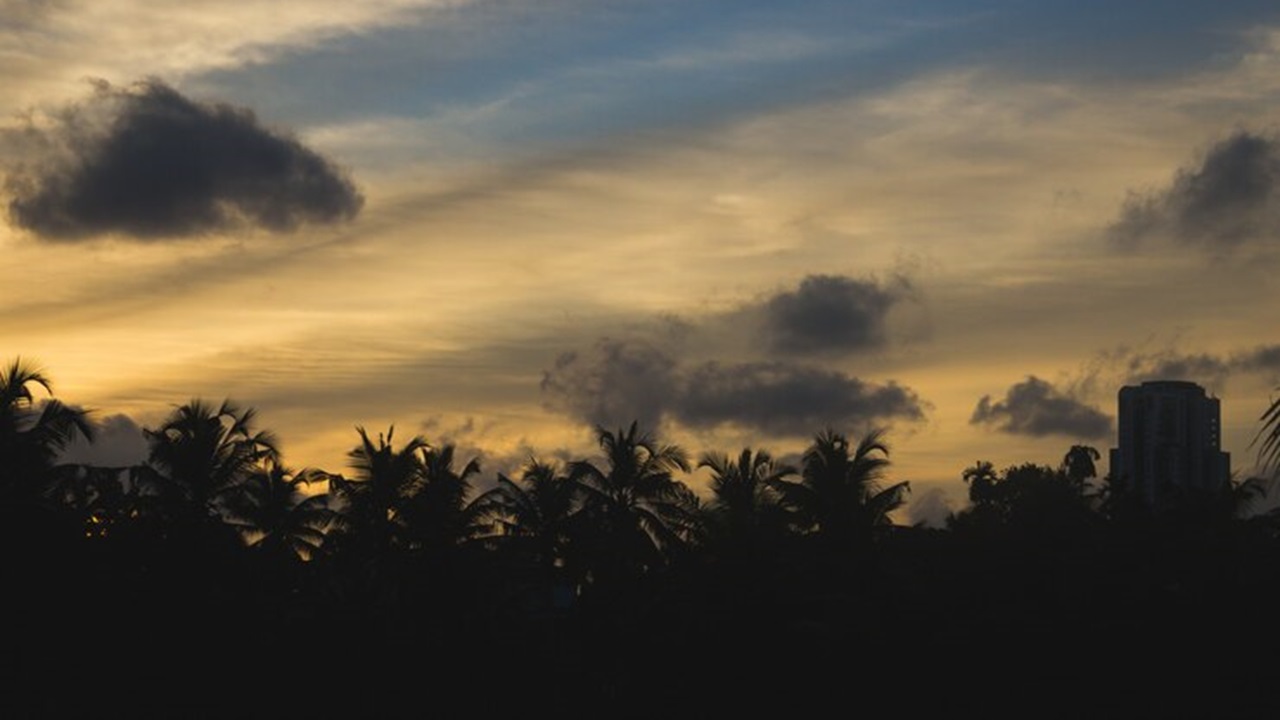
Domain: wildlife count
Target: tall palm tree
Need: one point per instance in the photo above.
(985, 492)
(198, 456)
(840, 496)
(541, 518)
(640, 511)
(437, 509)
(535, 512)
(200, 453)
(32, 433)
(277, 517)
(981, 477)
(1079, 466)
(539, 534)
(371, 503)
(746, 510)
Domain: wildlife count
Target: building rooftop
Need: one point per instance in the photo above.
(1185, 384)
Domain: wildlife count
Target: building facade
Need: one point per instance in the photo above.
(1169, 442)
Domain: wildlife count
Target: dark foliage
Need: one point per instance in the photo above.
(215, 582)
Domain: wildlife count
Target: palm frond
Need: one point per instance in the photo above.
(1269, 437)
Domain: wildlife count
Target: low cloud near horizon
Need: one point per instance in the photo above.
(1205, 368)
(772, 383)
(118, 441)
(620, 381)
(1035, 408)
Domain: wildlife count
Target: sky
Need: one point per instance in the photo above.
(501, 224)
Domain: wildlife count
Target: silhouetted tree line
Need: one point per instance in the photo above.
(214, 580)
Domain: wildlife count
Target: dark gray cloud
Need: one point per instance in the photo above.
(1232, 197)
(620, 381)
(1264, 358)
(830, 314)
(788, 399)
(1034, 407)
(614, 383)
(1198, 367)
(148, 163)
(1204, 368)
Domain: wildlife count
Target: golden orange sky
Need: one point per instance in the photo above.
(670, 192)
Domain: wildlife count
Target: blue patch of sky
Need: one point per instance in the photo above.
(1108, 40)
(590, 72)
(580, 71)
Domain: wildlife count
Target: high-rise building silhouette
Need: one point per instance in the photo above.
(1169, 441)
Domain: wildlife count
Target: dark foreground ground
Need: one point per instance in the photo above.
(930, 632)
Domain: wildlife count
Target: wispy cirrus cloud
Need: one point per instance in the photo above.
(60, 41)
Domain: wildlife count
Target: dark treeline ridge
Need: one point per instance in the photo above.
(213, 580)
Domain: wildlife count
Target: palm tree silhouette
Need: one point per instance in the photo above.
(200, 453)
(371, 503)
(1243, 496)
(1268, 439)
(100, 496)
(436, 508)
(1079, 466)
(638, 509)
(840, 496)
(276, 517)
(746, 513)
(197, 458)
(985, 508)
(535, 512)
(539, 530)
(32, 434)
(981, 478)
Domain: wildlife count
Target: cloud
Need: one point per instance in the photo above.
(118, 442)
(148, 163)
(616, 382)
(1204, 368)
(788, 399)
(1231, 198)
(51, 43)
(475, 439)
(1263, 358)
(930, 509)
(1169, 365)
(23, 14)
(621, 381)
(1034, 407)
(830, 314)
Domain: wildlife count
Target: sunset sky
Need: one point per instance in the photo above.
(499, 223)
